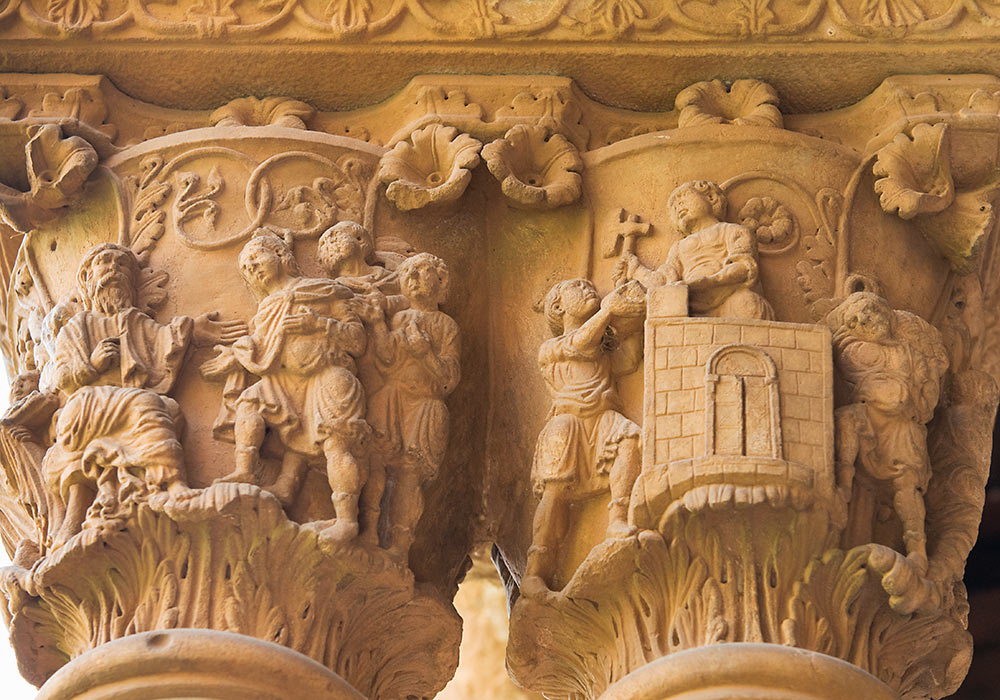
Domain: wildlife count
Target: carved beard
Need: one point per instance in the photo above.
(111, 294)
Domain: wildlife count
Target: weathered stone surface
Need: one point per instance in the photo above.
(707, 377)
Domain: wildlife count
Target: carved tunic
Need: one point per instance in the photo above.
(408, 412)
(705, 253)
(886, 380)
(308, 389)
(579, 441)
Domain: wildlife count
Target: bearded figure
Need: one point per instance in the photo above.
(114, 364)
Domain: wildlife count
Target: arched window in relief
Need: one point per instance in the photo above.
(742, 410)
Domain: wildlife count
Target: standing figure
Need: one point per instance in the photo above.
(716, 260)
(302, 343)
(346, 253)
(891, 363)
(586, 442)
(418, 355)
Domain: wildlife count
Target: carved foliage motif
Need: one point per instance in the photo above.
(92, 448)
(734, 514)
(433, 167)
(915, 181)
(535, 167)
(265, 577)
(745, 102)
(631, 19)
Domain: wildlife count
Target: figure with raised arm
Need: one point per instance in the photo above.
(587, 444)
(716, 260)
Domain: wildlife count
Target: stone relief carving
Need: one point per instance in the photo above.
(435, 168)
(115, 438)
(57, 167)
(716, 261)
(587, 446)
(748, 499)
(416, 351)
(535, 167)
(303, 343)
(96, 446)
(625, 20)
(892, 363)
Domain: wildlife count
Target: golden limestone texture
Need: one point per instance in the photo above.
(715, 382)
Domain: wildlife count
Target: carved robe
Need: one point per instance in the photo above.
(705, 253)
(150, 353)
(408, 412)
(580, 439)
(308, 390)
(106, 429)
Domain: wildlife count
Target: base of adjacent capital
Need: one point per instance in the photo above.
(192, 664)
(749, 672)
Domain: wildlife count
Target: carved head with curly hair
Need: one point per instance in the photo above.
(265, 261)
(696, 202)
(577, 298)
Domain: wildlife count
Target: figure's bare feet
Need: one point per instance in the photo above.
(240, 476)
(620, 530)
(534, 587)
(341, 531)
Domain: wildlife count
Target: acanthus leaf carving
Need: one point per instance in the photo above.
(75, 15)
(57, 168)
(269, 111)
(915, 182)
(77, 103)
(147, 195)
(914, 172)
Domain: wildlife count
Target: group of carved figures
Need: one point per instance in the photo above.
(348, 373)
(891, 365)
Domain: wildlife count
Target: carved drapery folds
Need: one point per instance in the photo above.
(278, 370)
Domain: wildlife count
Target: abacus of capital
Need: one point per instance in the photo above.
(690, 311)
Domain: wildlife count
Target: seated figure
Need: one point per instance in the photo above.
(113, 363)
(716, 260)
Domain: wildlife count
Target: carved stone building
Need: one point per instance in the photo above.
(688, 312)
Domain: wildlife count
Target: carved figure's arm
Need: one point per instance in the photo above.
(446, 364)
(591, 333)
(349, 335)
(628, 356)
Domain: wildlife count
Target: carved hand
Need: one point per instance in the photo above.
(223, 364)
(372, 307)
(625, 268)
(416, 339)
(304, 322)
(106, 354)
(208, 330)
